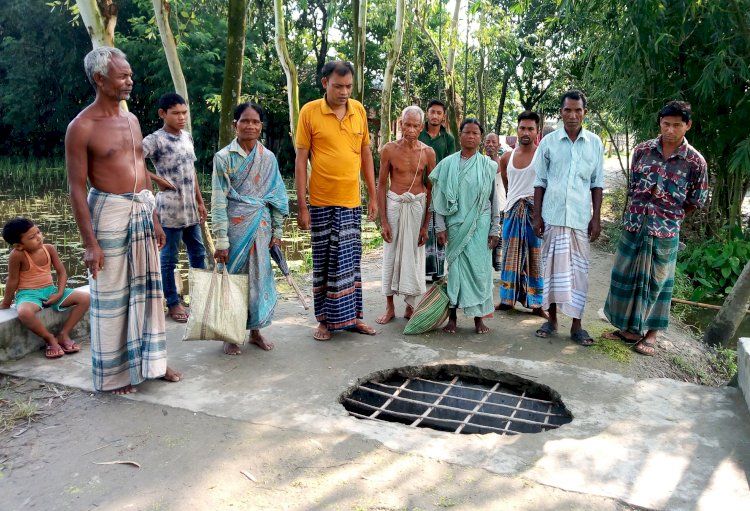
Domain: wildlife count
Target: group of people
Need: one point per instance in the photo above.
(440, 212)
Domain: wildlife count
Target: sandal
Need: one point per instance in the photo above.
(645, 347)
(179, 317)
(70, 348)
(617, 335)
(362, 328)
(582, 337)
(546, 330)
(322, 335)
(53, 351)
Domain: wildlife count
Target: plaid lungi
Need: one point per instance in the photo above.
(566, 269)
(128, 341)
(640, 291)
(521, 278)
(336, 251)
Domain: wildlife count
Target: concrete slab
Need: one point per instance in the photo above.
(655, 443)
(743, 368)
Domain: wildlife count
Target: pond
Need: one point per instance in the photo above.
(38, 190)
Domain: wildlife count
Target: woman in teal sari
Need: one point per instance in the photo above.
(467, 223)
(248, 206)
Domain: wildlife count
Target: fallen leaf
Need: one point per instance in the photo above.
(118, 462)
(248, 475)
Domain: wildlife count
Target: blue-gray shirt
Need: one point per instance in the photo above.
(569, 171)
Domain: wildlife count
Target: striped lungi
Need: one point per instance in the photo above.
(640, 291)
(521, 278)
(336, 252)
(128, 341)
(565, 253)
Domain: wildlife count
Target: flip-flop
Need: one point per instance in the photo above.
(362, 328)
(51, 352)
(582, 337)
(319, 335)
(546, 330)
(179, 317)
(644, 343)
(617, 335)
(72, 348)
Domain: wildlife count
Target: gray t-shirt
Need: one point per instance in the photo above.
(174, 159)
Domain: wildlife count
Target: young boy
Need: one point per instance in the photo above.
(30, 280)
(179, 204)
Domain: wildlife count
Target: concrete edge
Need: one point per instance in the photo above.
(743, 368)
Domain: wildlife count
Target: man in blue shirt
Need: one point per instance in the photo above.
(569, 182)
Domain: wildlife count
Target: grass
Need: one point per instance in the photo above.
(15, 412)
(688, 368)
(616, 350)
(724, 360)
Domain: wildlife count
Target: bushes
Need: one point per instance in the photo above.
(714, 265)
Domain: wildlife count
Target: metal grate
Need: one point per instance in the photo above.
(459, 405)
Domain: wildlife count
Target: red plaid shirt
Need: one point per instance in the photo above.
(660, 189)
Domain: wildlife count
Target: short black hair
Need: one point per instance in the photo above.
(676, 109)
(529, 114)
(340, 67)
(471, 120)
(15, 229)
(244, 106)
(575, 95)
(169, 100)
(436, 102)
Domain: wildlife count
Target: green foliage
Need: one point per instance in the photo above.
(724, 360)
(714, 265)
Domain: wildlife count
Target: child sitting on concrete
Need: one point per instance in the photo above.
(30, 280)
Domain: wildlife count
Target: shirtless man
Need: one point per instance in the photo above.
(403, 212)
(120, 231)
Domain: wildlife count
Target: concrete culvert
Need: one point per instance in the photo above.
(457, 399)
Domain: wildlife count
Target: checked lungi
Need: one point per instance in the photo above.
(565, 253)
(336, 252)
(128, 341)
(521, 278)
(640, 291)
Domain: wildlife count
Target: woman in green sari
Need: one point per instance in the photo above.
(468, 224)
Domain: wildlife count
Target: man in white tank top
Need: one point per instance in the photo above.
(521, 273)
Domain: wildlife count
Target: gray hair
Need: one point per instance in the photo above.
(97, 61)
(492, 133)
(413, 109)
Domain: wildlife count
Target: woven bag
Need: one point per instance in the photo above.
(431, 312)
(218, 306)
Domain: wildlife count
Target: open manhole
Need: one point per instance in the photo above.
(457, 399)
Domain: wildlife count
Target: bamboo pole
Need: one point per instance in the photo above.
(699, 304)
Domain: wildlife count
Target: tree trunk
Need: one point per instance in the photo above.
(445, 63)
(290, 70)
(100, 18)
(481, 101)
(501, 105)
(721, 330)
(232, 86)
(360, 38)
(393, 55)
(161, 12)
(450, 75)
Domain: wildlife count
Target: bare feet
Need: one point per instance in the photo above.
(67, 344)
(409, 312)
(386, 317)
(450, 327)
(503, 307)
(53, 351)
(480, 327)
(172, 376)
(322, 333)
(538, 311)
(231, 349)
(260, 341)
(127, 389)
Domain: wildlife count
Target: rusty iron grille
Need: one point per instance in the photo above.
(457, 406)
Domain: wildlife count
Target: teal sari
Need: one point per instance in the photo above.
(461, 194)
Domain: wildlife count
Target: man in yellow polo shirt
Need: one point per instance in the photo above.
(332, 133)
